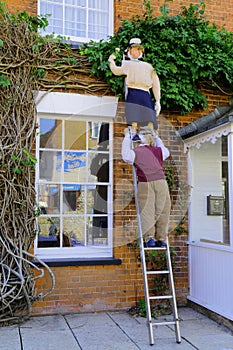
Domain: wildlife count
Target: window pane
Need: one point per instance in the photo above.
(98, 135)
(100, 199)
(98, 230)
(75, 135)
(75, 166)
(93, 134)
(49, 230)
(50, 133)
(99, 4)
(99, 167)
(75, 22)
(224, 146)
(73, 199)
(98, 25)
(49, 199)
(50, 165)
(56, 14)
(73, 231)
(76, 2)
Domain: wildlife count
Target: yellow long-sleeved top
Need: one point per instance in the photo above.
(139, 75)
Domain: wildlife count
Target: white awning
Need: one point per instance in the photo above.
(76, 105)
(208, 136)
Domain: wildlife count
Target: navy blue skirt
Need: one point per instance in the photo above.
(139, 108)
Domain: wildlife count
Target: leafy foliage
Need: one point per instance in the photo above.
(184, 49)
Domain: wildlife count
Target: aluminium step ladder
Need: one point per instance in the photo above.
(147, 273)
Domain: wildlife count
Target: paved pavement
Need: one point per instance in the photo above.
(114, 331)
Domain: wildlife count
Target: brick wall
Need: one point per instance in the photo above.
(96, 288)
(219, 12)
(29, 6)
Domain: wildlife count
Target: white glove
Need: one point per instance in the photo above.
(157, 108)
(111, 58)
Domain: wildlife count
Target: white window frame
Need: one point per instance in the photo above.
(80, 39)
(100, 109)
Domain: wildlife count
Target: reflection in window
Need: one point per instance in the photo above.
(73, 199)
(49, 232)
(50, 165)
(49, 198)
(73, 185)
(50, 133)
(75, 166)
(73, 231)
(98, 230)
(75, 135)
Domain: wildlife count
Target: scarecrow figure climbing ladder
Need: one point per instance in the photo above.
(147, 273)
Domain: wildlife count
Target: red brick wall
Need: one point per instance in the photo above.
(219, 12)
(29, 6)
(96, 288)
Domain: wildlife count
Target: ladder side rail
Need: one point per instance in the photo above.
(143, 260)
(172, 288)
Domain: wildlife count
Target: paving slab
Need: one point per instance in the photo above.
(115, 331)
(49, 340)
(52, 323)
(212, 342)
(48, 332)
(10, 338)
(99, 332)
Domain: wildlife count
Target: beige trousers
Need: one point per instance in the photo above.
(155, 206)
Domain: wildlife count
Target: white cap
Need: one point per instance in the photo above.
(135, 42)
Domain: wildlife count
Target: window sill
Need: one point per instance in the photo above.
(80, 262)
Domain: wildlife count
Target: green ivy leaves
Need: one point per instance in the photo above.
(184, 50)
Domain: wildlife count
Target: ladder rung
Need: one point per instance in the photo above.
(166, 323)
(161, 297)
(158, 272)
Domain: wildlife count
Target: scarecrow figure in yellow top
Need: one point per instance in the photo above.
(140, 79)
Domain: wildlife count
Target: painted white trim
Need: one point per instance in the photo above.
(76, 105)
(212, 246)
(230, 185)
(208, 136)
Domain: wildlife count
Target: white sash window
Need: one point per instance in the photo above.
(74, 176)
(79, 20)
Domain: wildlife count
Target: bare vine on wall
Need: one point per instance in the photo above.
(28, 63)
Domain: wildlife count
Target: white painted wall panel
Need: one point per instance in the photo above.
(211, 278)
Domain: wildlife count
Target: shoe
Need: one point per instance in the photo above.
(150, 243)
(161, 244)
(136, 138)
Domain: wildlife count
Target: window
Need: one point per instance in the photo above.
(74, 189)
(210, 177)
(79, 20)
(225, 191)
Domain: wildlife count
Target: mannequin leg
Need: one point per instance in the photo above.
(151, 126)
(134, 128)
